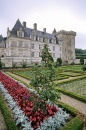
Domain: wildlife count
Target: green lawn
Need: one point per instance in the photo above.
(77, 86)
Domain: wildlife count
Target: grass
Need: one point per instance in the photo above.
(77, 86)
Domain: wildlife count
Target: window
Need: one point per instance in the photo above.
(38, 38)
(54, 40)
(13, 44)
(34, 38)
(53, 48)
(53, 54)
(45, 39)
(20, 44)
(32, 46)
(60, 55)
(41, 39)
(60, 49)
(20, 34)
(32, 54)
(40, 46)
(39, 54)
(31, 37)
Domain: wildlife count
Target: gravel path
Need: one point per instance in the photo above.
(81, 106)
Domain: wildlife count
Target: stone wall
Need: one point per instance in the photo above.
(67, 41)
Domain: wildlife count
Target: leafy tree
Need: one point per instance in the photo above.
(46, 55)
(43, 82)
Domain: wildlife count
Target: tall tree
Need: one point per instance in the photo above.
(46, 55)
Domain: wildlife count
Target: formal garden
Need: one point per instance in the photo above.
(37, 106)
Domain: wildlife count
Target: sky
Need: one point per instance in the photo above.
(59, 14)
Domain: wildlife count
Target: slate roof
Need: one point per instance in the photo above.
(1, 38)
(28, 31)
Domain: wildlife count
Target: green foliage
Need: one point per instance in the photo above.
(81, 61)
(75, 124)
(24, 64)
(59, 61)
(42, 81)
(0, 64)
(7, 116)
(84, 68)
(46, 56)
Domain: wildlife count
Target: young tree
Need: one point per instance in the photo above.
(43, 83)
(46, 55)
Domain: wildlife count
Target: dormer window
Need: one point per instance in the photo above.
(20, 33)
(54, 41)
(34, 38)
(38, 38)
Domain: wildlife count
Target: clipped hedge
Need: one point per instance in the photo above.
(72, 94)
(74, 124)
(69, 80)
(7, 116)
(68, 108)
(21, 75)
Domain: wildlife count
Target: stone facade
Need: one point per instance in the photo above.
(68, 45)
(24, 45)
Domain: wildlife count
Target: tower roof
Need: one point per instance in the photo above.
(1, 38)
(17, 25)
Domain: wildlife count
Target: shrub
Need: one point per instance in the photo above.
(59, 61)
(84, 68)
(24, 64)
(81, 60)
(75, 124)
(0, 64)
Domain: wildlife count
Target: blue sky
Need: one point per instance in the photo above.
(60, 14)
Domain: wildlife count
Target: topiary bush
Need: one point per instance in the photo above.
(59, 61)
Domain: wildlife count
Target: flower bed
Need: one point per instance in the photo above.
(19, 96)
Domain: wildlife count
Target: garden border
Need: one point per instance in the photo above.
(10, 124)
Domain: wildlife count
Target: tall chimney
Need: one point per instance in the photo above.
(35, 26)
(24, 24)
(44, 30)
(8, 29)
